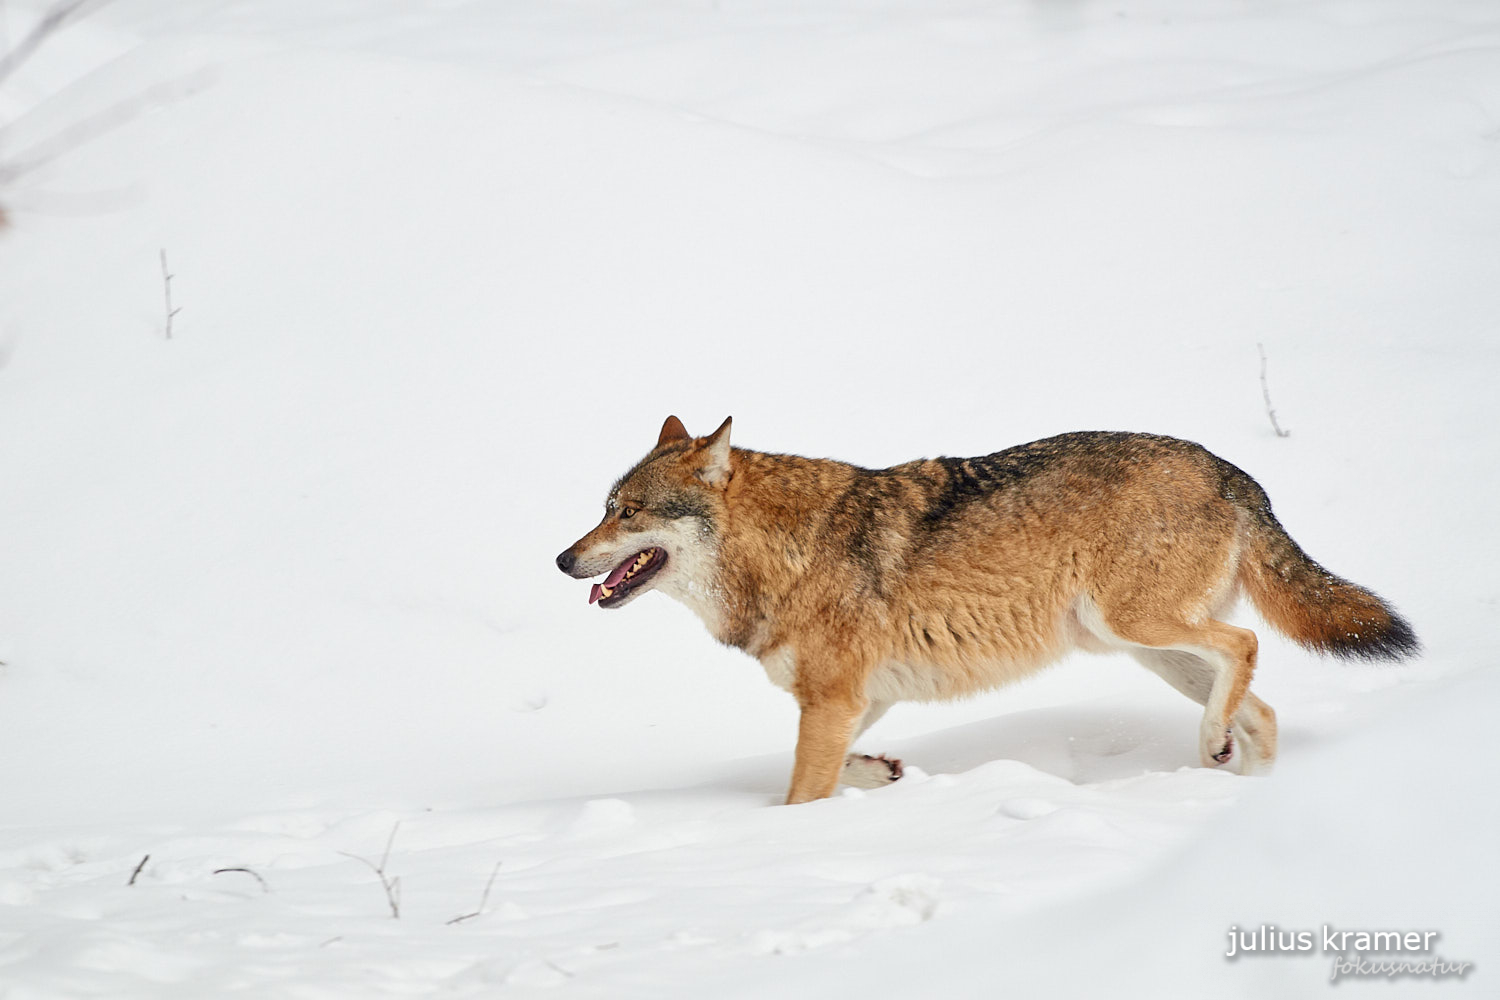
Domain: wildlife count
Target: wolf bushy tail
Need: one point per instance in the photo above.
(1301, 599)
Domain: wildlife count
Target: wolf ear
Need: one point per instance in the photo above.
(715, 468)
(672, 430)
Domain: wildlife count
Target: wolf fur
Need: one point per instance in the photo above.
(857, 588)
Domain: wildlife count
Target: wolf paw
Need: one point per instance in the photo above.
(1226, 751)
(864, 771)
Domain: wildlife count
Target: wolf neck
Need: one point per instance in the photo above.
(766, 541)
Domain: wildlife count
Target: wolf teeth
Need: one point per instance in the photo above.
(641, 562)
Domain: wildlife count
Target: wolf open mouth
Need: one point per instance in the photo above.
(627, 576)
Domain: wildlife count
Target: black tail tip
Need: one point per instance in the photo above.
(1397, 640)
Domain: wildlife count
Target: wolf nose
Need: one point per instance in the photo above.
(566, 560)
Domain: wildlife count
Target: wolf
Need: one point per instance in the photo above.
(857, 588)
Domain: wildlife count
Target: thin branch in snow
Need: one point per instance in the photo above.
(13, 57)
(483, 900)
(54, 19)
(247, 871)
(100, 123)
(1265, 391)
(138, 869)
(388, 842)
(166, 280)
(392, 886)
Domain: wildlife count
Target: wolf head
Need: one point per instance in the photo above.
(660, 523)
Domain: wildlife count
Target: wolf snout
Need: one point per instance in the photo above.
(567, 561)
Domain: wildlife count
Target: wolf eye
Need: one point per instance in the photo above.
(628, 512)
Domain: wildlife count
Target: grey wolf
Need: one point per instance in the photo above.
(857, 588)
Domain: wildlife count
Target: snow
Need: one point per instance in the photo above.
(282, 586)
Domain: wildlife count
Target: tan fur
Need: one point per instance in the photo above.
(938, 578)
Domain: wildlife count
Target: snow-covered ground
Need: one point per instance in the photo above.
(279, 590)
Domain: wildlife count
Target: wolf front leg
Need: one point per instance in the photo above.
(823, 737)
(862, 770)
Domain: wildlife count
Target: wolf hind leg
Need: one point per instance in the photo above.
(1258, 720)
(861, 770)
(1226, 651)
(1254, 723)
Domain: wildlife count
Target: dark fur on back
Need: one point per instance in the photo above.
(970, 479)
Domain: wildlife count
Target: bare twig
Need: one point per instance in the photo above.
(392, 886)
(100, 123)
(60, 15)
(15, 56)
(57, 17)
(484, 899)
(138, 869)
(254, 875)
(1265, 391)
(388, 842)
(166, 280)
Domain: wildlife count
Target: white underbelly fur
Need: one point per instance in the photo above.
(895, 680)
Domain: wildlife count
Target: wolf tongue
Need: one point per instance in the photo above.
(595, 594)
(619, 573)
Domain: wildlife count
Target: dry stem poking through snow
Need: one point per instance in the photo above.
(253, 874)
(1265, 391)
(166, 281)
(392, 886)
(483, 899)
